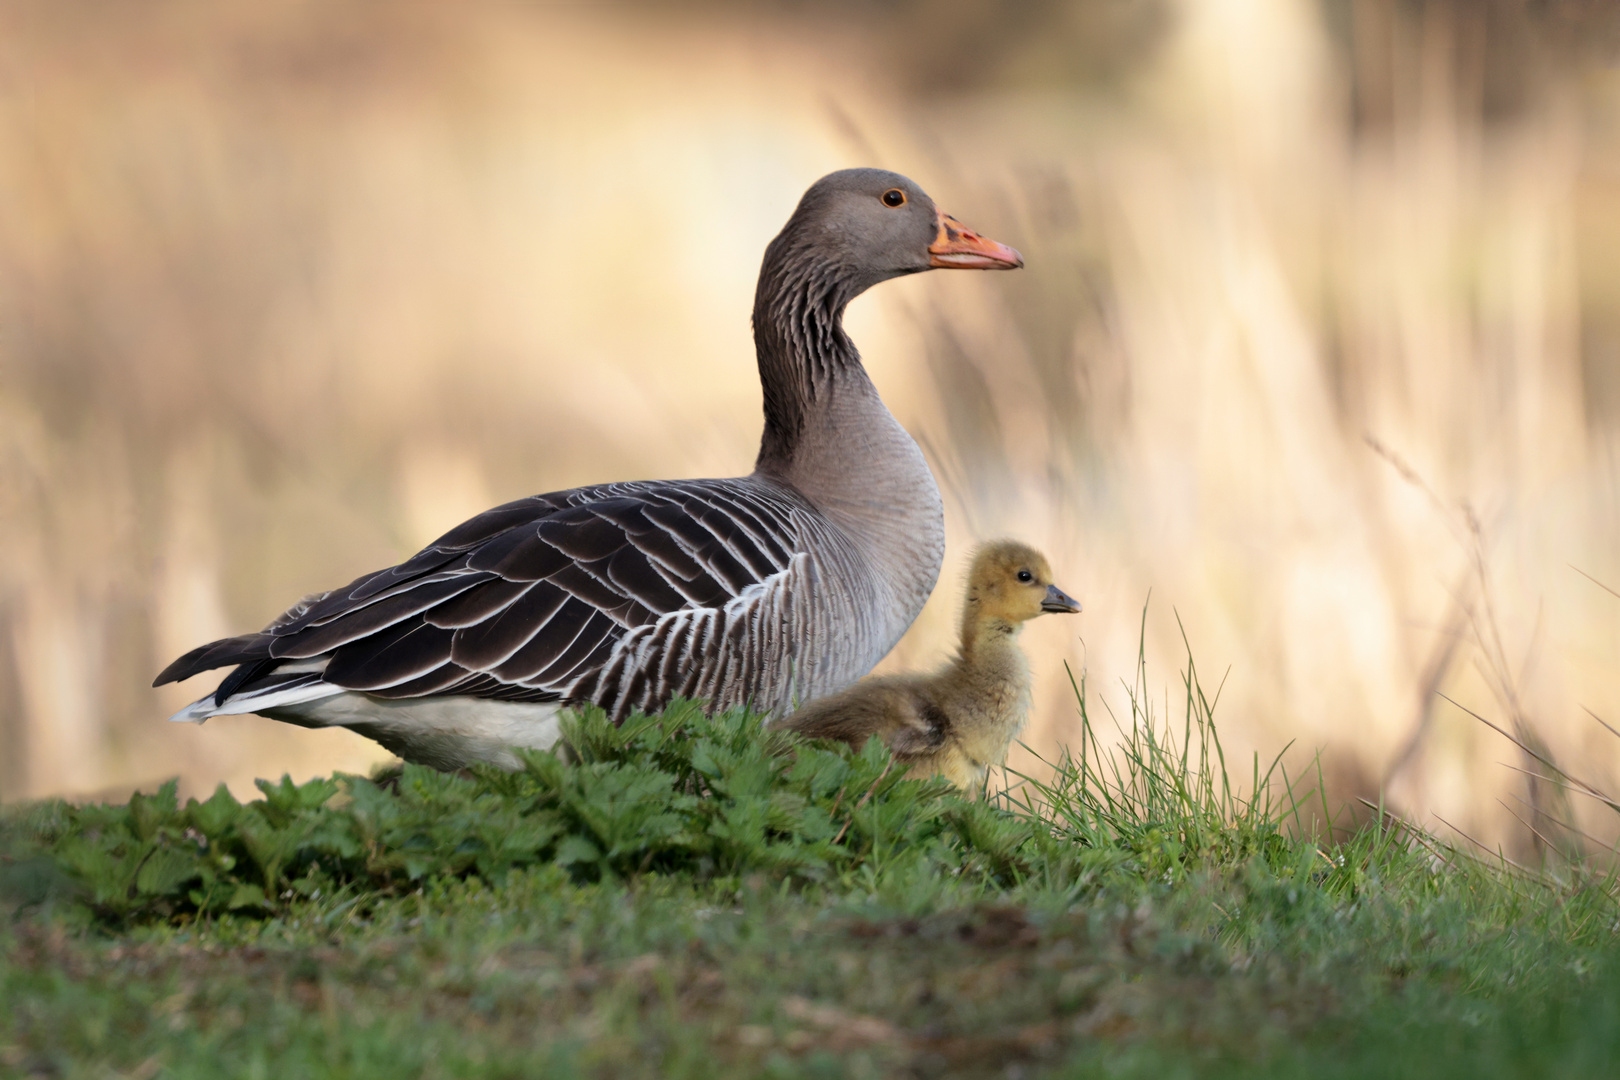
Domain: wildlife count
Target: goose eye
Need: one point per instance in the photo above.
(1025, 576)
(894, 197)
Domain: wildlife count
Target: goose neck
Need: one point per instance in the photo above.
(801, 344)
(829, 437)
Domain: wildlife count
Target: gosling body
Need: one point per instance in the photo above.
(958, 722)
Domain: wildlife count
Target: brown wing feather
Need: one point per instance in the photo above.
(527, 600)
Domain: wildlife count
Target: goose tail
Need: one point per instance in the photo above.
(293, 685)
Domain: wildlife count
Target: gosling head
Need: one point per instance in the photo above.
(1011, 582)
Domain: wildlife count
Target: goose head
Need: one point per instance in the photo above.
(1010, 582)
(851, 230)
(864, 226)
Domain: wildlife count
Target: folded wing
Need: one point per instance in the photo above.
(623, 594)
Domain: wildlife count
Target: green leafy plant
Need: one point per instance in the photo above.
(677, 793)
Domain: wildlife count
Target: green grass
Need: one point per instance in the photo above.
(683, 897)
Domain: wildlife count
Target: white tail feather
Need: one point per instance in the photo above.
(242, 704)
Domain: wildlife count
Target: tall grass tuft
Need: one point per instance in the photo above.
(1162, 791)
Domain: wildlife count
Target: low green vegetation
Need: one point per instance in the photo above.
(686, 897)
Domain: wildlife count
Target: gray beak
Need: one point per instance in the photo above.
(1059, 601)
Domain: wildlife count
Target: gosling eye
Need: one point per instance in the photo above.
(1025, 576)
(894, 197)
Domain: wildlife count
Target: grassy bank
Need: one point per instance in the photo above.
(686, 898)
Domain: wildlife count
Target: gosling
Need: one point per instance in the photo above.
(960, 721)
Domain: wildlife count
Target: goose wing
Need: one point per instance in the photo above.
(621, 594)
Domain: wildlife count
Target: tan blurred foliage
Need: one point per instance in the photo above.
(287, 288)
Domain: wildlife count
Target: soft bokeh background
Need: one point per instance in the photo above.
(1319, 338)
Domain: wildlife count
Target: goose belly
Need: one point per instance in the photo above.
(449, 732)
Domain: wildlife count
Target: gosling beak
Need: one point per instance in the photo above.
(958, 247)
(1059, 602)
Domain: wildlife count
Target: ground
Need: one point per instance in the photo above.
(684, 899)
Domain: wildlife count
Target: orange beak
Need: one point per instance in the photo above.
(959, 247)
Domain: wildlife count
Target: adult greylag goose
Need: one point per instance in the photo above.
(958, 722)
(767, 590)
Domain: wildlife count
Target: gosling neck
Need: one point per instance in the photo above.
(984, 633)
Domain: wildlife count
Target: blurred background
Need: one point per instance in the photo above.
(1318, 340)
